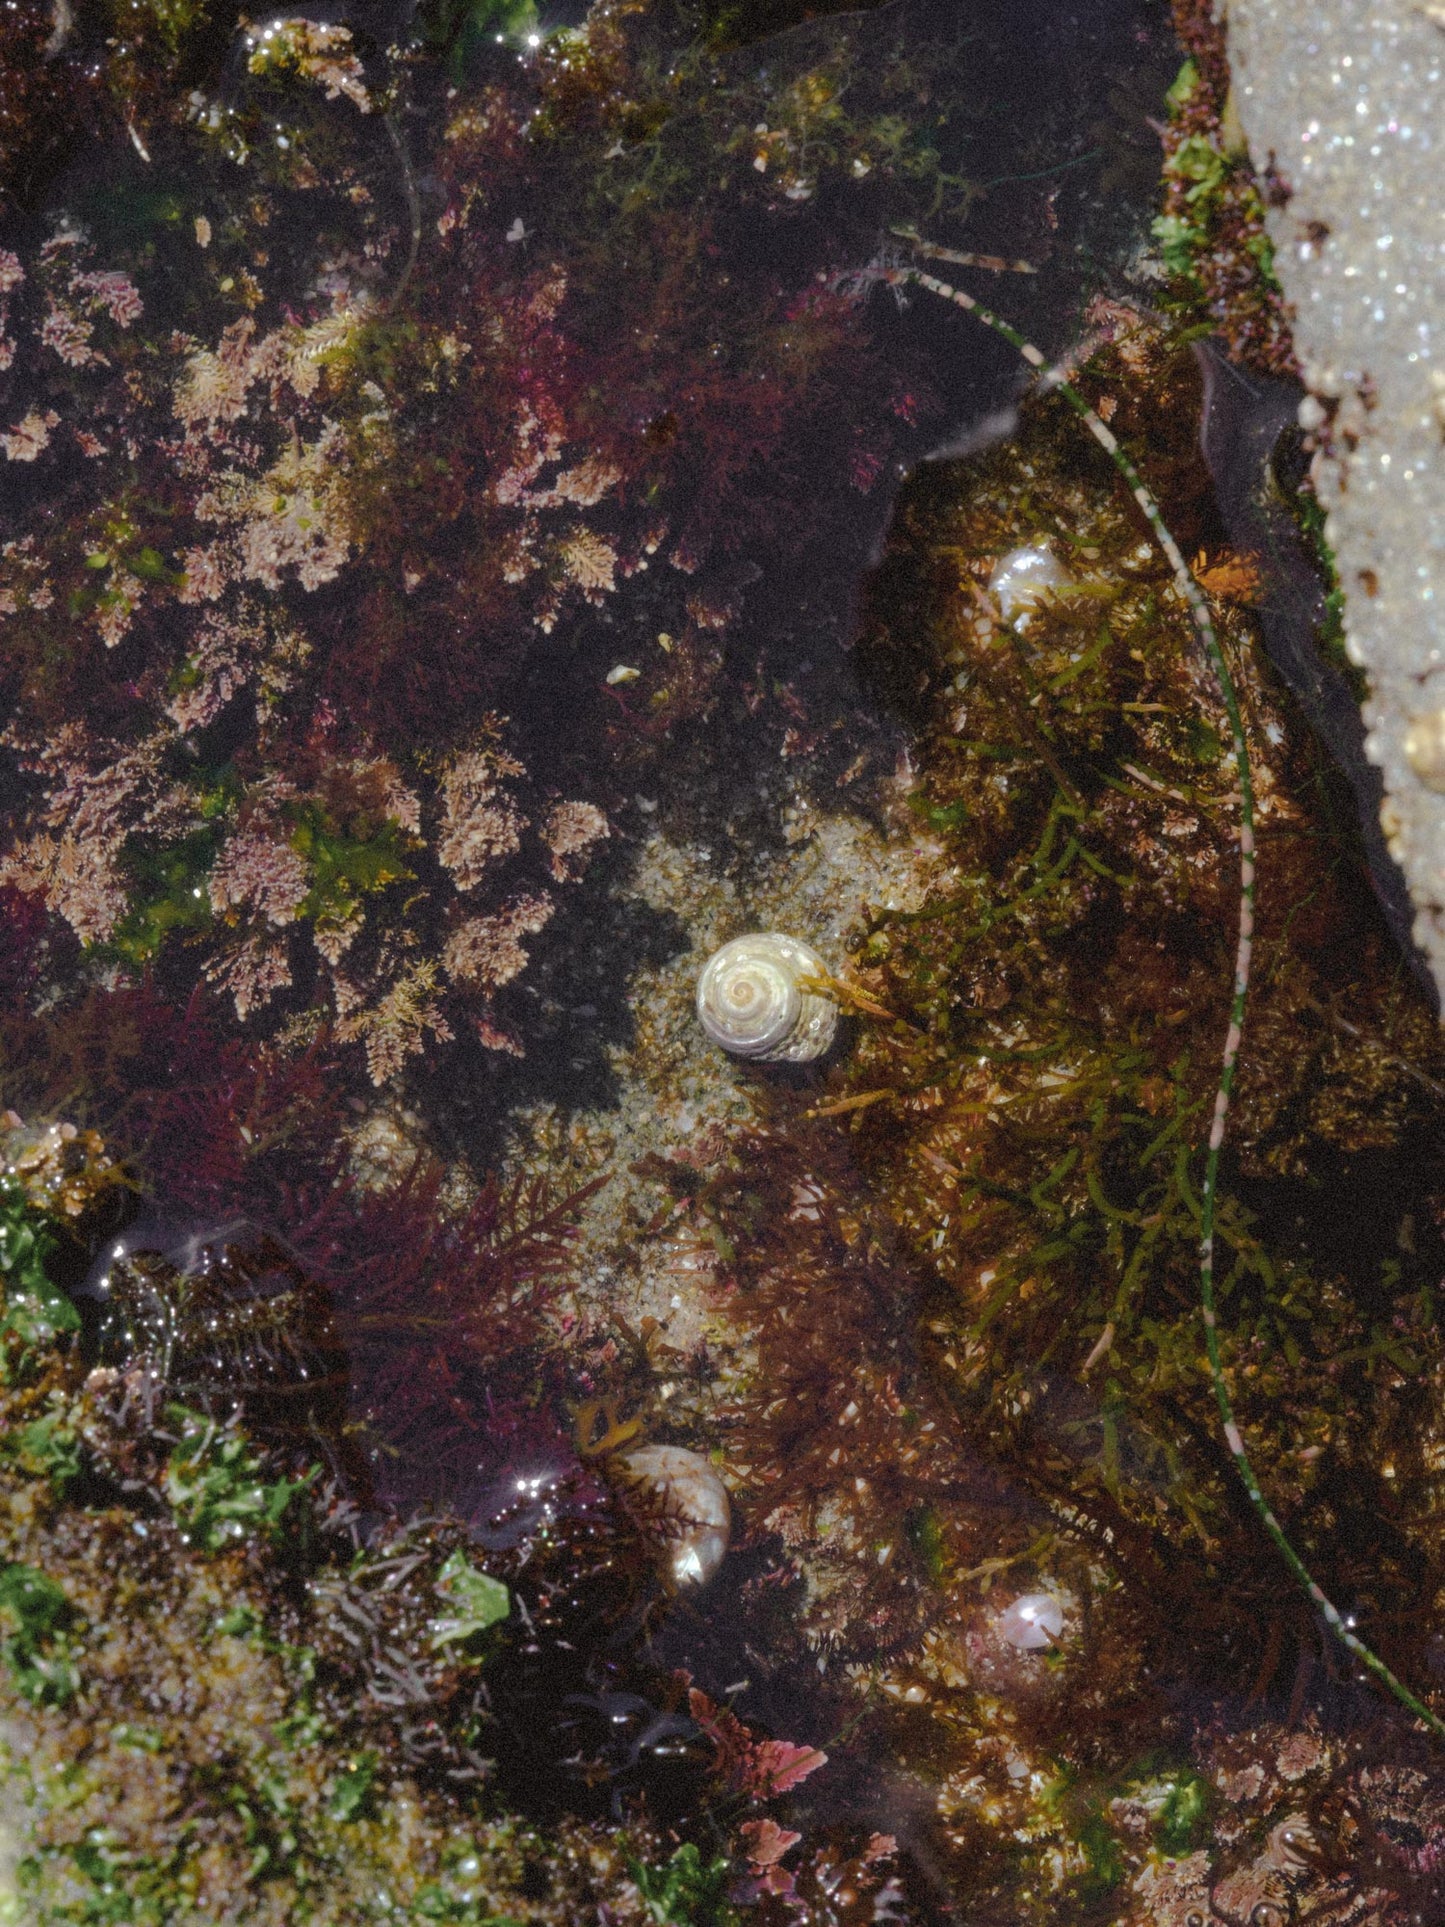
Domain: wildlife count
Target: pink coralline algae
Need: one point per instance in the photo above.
(569, 832)
(203, 625)
(28, 438)
(759, 1768)
(289, 537)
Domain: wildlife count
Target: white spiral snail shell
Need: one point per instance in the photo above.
(697, 1515)
(750, 1000)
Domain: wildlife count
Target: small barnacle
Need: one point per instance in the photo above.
(1425, 748)
(752, 999)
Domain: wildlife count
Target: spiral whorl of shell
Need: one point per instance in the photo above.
(750, 999)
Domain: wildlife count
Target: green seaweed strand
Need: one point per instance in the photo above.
(1193, 596)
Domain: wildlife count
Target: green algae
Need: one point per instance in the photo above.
(216, 1488)
(168, 897)
(476, 1602)
(47, 1447)
(36, 1615)
(1071, 1155)
(685, 1891)
(175, 1751)
(1210, 233)
(217, 1702)
(175, 1747)
(35, 1309)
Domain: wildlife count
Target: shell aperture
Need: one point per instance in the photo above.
(1026, 577)
(1032, 1621)
(695, 1505)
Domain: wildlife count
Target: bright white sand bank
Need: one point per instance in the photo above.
(1347, 99)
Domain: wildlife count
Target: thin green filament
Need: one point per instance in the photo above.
(1193, 597)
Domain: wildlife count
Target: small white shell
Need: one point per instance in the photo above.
(1026, 577)
(1425, 748)
(1033, 1620)
(695, 1505)
(750, 1002)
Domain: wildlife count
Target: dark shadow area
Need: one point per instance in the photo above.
(572, 1006)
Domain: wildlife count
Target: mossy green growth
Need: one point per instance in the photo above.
(173, 24)
(181, 1740)
(215, 1485)
(1173, 1802)
(46, 1448)
(1182, 1817)
(170, 884)
(35, 1615)
(1183, 86)
(36, 1311)
(685, 1891)
(1203, 175)
(925, 1535)
(688, 125)
(347, 863)
(352, 1788)
(1309, 513)
(476, 1601)
(463, 32)
(169, 893)
(435, 1904)
(1211, 231)
(178, 20)
(191, 1727)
